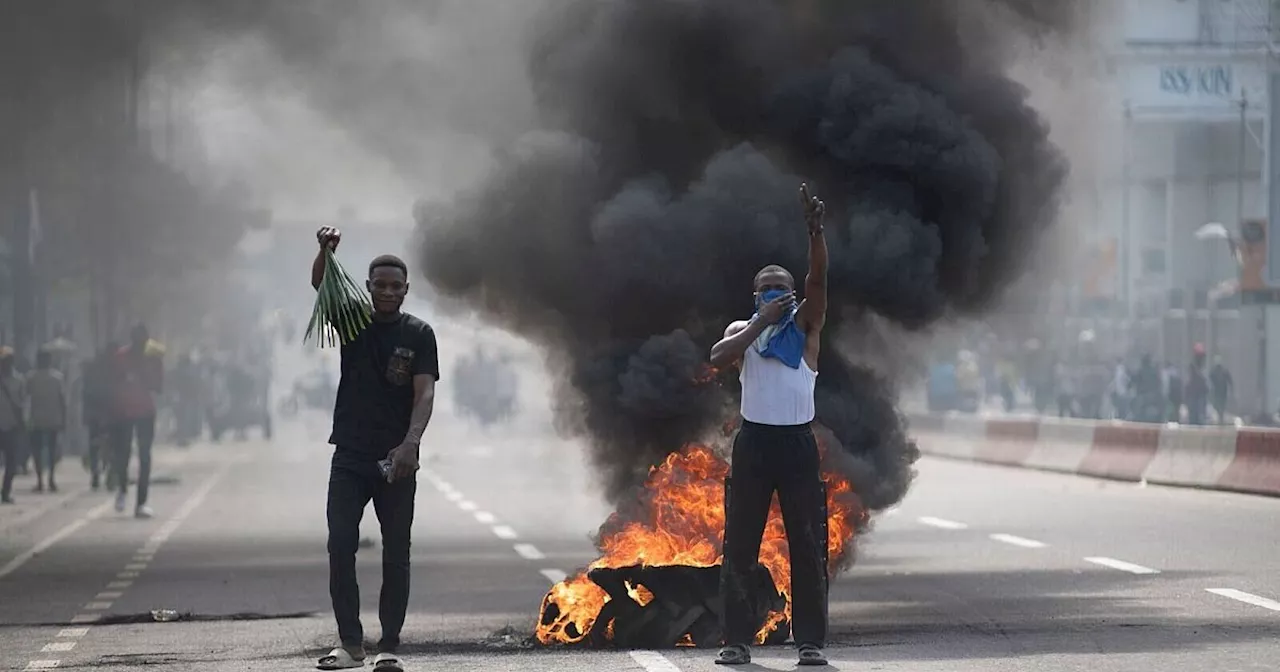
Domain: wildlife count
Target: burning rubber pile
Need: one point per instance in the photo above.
(622, 231)
(656, 583)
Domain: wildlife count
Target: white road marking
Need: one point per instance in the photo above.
(103, 601)
(1247, 598)
(652, 661)
(554, 575)
(504, 532)
(942, 523)
(1018, 541)
(48, 542)
(467, 505)
(454, 496)
(1122, 565)
(444, 487)
(529, 552)
(484, 517)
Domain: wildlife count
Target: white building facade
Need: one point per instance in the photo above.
(1192, 99)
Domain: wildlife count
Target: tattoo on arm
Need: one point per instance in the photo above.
(423, 406)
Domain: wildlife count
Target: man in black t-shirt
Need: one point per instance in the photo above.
(385, 397)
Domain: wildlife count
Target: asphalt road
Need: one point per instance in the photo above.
(1079, 575)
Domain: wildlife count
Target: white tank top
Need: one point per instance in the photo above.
(774, 393)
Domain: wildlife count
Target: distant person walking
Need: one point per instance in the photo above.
(13, 403)
(138, 377)
(95, 391)
(1221, 385)
(47, 395)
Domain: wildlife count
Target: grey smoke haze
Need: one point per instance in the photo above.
(623, 234)
(648, 155)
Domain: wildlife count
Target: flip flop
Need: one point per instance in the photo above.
(387, 662)
(734, 654)
(339, 659)
(811, 655)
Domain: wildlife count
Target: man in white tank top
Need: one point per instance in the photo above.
(775, 451)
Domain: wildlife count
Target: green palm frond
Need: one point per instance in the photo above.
(342, 309)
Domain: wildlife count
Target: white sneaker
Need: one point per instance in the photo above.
(121, 501)
(144, 511)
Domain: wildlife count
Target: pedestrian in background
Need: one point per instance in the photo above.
(46, 394)
(12, 421)
(137, 379)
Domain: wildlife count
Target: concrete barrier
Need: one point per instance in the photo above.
(1223, 458)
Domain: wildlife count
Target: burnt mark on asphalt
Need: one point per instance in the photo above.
(146, 617)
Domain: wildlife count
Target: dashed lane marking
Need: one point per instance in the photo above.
(554, 575)
(485, 518)
(467, 505)
(1122, 565)
(529, 552)
(1018, 541)
(652, 661)
(65, 640)
(48, 542)
(504, 532)
(1247, 598)
(942, 523)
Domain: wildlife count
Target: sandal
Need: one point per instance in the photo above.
(734, 654)
(340, 659)
(387, 662)
(811, 654)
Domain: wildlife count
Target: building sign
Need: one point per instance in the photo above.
(1192, 81)
(1211, 88)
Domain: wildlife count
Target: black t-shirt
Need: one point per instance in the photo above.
(375, 394)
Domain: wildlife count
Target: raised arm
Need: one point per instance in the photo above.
(328, 237)
(813, 310)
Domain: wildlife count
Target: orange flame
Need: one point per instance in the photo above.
(682, 523)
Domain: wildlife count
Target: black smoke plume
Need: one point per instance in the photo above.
(625, 235)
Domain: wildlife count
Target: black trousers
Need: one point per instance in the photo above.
(354, 480)
(122, 445)
(9, 447)
(44, 450)
(782, 459)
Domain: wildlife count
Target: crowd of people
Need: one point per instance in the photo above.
(103, 406)
(1084, 384)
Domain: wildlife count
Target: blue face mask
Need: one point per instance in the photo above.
(767, 296)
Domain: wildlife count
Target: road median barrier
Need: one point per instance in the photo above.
(1244, 459)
